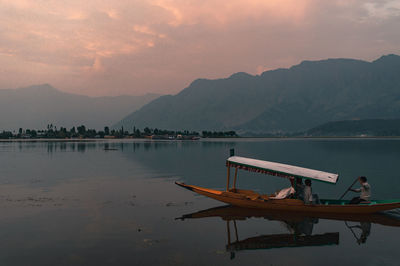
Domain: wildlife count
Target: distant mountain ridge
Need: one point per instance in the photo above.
(282, 100)
(37, 106)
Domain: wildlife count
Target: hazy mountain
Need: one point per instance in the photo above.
(368, 127)
(37, 106)
(282, 100)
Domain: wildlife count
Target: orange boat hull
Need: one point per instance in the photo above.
(255, 201)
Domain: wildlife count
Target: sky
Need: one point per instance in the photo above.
(108, 47)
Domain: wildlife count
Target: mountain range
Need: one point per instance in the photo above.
(37, 106)
(282, 100)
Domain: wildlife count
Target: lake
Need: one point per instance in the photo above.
(115, 203)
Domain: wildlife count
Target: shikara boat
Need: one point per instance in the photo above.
(251, 199)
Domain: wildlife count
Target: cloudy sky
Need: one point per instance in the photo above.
(109, 47)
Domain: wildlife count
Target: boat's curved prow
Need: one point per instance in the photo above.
(184, 185)
(212, 193)
(199, 189)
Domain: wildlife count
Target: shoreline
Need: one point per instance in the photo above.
(202, 139)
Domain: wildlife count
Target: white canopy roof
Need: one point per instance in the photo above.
(279, 169)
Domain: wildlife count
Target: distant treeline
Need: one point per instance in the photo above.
(219, 134)
(52, 132)
(345, 128)
(366, 127)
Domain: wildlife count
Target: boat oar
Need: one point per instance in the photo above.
(348, 188)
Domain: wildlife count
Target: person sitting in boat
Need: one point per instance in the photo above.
(292, 191)
(308, 197)
(299, 188)
(284, 193)
(365, 190)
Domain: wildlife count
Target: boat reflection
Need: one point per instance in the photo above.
(297, 238)
(299, 225)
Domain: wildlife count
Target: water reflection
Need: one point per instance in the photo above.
(114, 202)
(365, 230)
(297, 239)
(300, 227)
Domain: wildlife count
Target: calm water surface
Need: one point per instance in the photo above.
(115, 203)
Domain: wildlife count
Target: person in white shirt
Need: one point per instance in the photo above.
(365, 191)
(308, 197)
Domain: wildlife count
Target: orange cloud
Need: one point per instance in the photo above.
(223, 12)
(125, 42)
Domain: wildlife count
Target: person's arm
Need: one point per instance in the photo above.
(356, 189)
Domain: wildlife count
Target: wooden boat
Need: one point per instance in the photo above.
(250, 199)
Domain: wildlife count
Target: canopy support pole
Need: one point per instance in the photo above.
(228, 177)
(295, 188)
(234, 180)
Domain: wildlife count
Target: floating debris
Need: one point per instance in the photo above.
(150, 242)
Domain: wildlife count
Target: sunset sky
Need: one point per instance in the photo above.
(109, 47)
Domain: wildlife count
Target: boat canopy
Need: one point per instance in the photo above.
(279, 169)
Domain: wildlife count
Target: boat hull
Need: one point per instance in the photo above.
(261, 202)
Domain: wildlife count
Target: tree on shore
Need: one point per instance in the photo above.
(81, 131)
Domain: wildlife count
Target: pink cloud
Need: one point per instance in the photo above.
(136, 46)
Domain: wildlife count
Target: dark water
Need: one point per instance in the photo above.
(115, 203)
